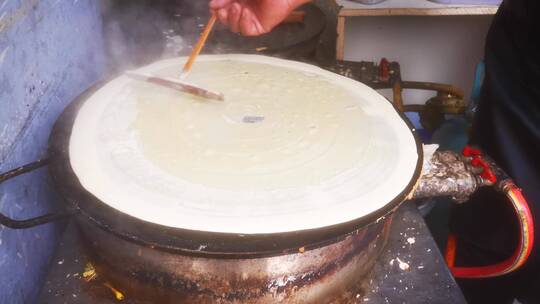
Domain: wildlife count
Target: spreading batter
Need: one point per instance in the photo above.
(292, 147)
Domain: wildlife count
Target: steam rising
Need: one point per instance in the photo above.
(138, 32)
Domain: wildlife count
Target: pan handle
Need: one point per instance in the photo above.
(521, 253)
(502, 182)
(31, 222)
(459, 176)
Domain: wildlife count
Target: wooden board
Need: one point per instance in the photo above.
(450, 11)
(340, 42)
(412, 8)
(402, 8)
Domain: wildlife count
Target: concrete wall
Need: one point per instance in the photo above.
(440, 49)
(50, 51)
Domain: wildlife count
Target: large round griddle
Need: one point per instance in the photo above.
(244, 234)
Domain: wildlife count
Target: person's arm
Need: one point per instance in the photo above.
(253, 17)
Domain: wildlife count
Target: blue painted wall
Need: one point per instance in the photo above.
(50, 51)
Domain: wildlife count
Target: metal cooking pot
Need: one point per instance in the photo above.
(307, 266)
(295, 267)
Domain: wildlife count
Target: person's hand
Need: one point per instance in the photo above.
(253, 17)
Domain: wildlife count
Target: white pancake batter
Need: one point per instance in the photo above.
(292, 147)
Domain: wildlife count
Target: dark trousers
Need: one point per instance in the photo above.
(507, 127)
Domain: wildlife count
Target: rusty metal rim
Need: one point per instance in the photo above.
(191, 242)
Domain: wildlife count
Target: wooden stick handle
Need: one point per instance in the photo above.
(198, 47)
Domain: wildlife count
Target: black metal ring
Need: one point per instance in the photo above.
(31, 222)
